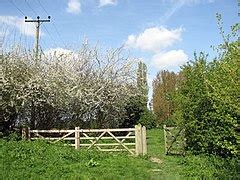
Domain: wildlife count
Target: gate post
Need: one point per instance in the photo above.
(144, 140)
(26, 134)
(77, 138)
(29, 133)
(165, 139)
(138, 139)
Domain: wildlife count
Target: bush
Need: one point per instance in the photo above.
(207, 101)
(87, 88)
(210, 167)
(209, 106)
(148, 119)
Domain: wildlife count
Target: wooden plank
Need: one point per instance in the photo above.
(24, 133)
(59, 139)
(109, 130)
(174, 139)
(144, 141)
(77, 138)
(128, 135)
(120, 142)
(29, 133)
(83, 130)
(51, 131)
(109, 144)
(165, 138)
(94, 142)
(40, 136)
(110, 137)
(169, 128)
(56, 138)
(115, 150)
(88, 138)
(138, 139)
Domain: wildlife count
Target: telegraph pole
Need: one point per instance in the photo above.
(38, 22)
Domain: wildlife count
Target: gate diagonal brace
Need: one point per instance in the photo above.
(130, 133)
(39, 135)
(174, 139)
(68, 134)
(94, 142)
(120, 142)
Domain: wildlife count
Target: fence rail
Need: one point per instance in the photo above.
(132, 140)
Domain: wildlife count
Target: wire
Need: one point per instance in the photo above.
(59, 35)
(49, 35)
(42, 24)
(31, 8)
(11, 1)
(43, 7)
(44, 43)
(53, 24)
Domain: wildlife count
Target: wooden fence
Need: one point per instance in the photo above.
(174, 140)
(132, 140)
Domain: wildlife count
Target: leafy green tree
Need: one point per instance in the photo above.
(134, 109)
(137, 104)
(142, 82)
(164, 85)
(207, 100)
(148, 119)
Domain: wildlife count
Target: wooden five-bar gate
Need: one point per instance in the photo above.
(132, 140)
(174, 140)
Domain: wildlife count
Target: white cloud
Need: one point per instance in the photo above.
(107, 2)
(74, 6)
(169, 60)
(154, 39)
(27, 29)
(57, 52)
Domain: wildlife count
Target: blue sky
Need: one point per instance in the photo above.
(163, 33)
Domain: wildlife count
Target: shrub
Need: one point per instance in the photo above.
(87, 88)
(207, 101)
(148, 119)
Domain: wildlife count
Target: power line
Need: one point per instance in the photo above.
(11, 1)
(42, 7)
(54, 41)
(31, 8)
(55, 28)
(38, 22)
(50, 35)
(43, 25)
(60, 37)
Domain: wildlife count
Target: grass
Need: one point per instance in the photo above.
(41, 160)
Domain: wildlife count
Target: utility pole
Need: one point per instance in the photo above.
(38, 22)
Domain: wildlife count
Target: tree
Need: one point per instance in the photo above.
(87, 88)
(208, 105)
(164, 85)
(207, 101)
(137, 104)
(142, 82)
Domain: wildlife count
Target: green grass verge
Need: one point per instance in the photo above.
(41, 160)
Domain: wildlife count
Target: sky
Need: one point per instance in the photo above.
(163, 33)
